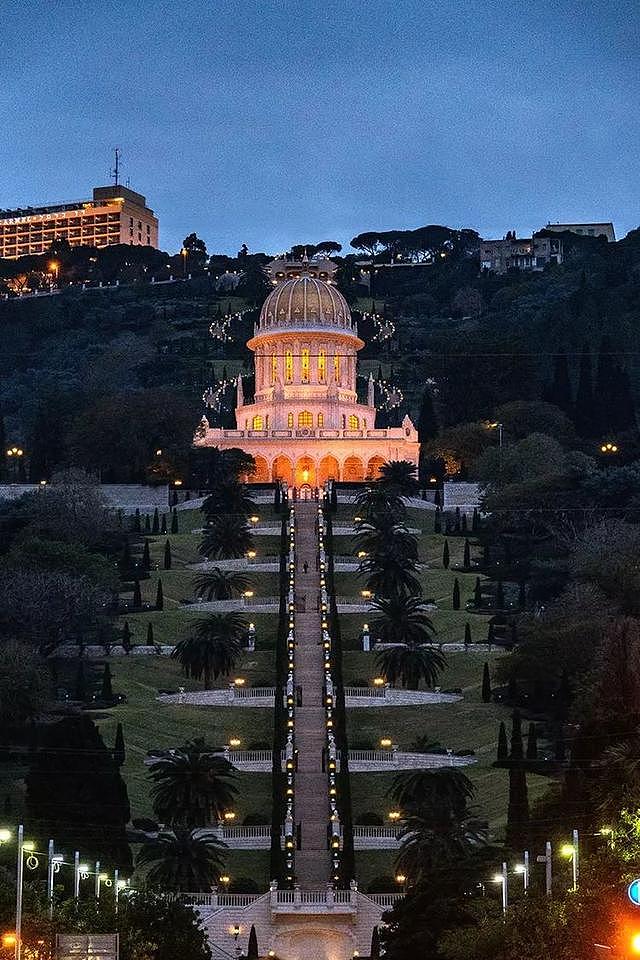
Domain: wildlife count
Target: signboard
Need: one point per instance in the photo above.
(87, 946)
(633, 892)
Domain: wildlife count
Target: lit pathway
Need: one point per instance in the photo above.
(312, 808)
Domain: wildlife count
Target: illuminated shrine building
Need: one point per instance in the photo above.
(306, 425)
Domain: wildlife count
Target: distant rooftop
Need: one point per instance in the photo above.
(100, 196)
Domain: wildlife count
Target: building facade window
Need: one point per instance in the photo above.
(274, 367)
(305, 419)
(336, 368)
(258, 422)
(289, 419)
(288, 366)
(321, 419)
(304, 367)
(354, 422)
(322, 366)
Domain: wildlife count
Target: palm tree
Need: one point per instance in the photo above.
(379, 504)
(404, 624)
(228, 498)
(438, 826)
(187, 860)
(214, 647)
(391, 559)
(226, 537)
(217, 584)
(400, 476)
(192, 786)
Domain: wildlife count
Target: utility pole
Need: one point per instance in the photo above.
(19, 881)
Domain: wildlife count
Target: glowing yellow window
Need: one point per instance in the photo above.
(289, 419)
(288, 366)
(305, 419)
(321, 419)
(274, 367)
(322, 366)
(258, 423)
(354, 423)
(305, 366)
(336, 368)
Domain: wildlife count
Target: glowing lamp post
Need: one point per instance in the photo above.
(501, 878)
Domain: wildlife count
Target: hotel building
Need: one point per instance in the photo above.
(116, 214)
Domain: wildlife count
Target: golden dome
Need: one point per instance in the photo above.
(305, 302)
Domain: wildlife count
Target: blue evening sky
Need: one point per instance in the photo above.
(272, 122)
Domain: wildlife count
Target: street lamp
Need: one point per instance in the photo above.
(54, 268)
(499, 427)
(608, 448)
(184, 253)
(523, 869)
(571, 850)
(501, 878)
(15, 455)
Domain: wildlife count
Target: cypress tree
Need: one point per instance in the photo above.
(146, 557)
(437, 497)
(119, 754)
(475, 521)
(486, 684)
(126, 637)
(167, 555)
(491, 634)
(466, 559)
(445, 555)
(563, 696)
(486, 554)
(503, 745)
(584, 409)
(80, 689)
(512, 689)
(106, 690)
(467, 634)
(559, 392)
(464, 526)
(252, 948)
(518, 810)
(374, 952)
(532, 742)
(514, 633)
(150, 640)
(174, 498)
(137, 594)
(517, 747)
(159, 596)
(457, 522)
(155, 526)
(174, 521)
(136, 521)
(456, 595)
(147, 523)
(500, 595)
(125, 561)
(334, 498)
(447, 526)
(163, 525)
(437, 521)
(522, 594)
(427, 424)
(477, 593)
(277, 499)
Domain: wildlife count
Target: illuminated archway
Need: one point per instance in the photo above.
(328, 469)
(305, 471)
(353, 470)
(262, 470)
(373, 467)
(282, 469)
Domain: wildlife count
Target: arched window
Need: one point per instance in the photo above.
(305, 366)
(322, 366)
(274, 367)
(288, 366)
(321, 419)
(305, 419)
(354, 422)
(289, 419)
(258, 422)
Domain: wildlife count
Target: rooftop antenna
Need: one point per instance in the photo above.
(115, 173)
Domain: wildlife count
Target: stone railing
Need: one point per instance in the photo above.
(251, 693)
(314, 901)
(384, 899)
(374, 756)
(378, 692)
(215, 899)
(385, 832)
(248, 756)
(252, 832)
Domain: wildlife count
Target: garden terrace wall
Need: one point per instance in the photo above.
(279, 721)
